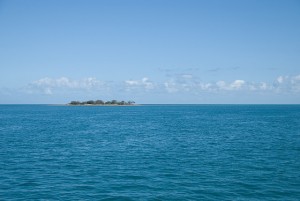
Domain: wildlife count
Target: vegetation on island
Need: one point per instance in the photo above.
(101, 102)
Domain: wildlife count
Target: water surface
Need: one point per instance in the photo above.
(151, 152)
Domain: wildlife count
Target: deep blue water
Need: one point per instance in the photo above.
(162, 152)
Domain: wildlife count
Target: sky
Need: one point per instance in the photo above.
(152, 52)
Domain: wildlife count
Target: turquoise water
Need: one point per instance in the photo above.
(151, 152)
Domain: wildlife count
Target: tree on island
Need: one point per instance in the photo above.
(90, 102)
(107, 103)
(114, 102)
(75, 103)
(99, 102)
(131, 102)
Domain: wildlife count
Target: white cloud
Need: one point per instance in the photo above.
(282, 84)
(295, 82)
(280, 79)
(263, 86)
(237, 84)
(221, 85)
(207, 86)
(287, 84)
(85, 83)
(296, 79)
(144, 83)
(50, 85)
(180, 83)
(147, 84)
(132, 82)
(170, 86)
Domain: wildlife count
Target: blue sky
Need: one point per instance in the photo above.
(158, 51)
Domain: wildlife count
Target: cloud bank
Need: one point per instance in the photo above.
(51, 85)
(282, 84)
(181, 83)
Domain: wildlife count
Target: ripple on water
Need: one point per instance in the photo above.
(199, 152)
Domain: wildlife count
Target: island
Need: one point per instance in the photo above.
(101, 102)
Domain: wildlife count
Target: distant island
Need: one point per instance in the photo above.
(101, 102)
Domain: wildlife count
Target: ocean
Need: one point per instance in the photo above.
(150, 152)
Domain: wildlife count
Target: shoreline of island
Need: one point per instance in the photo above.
(88, 105)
